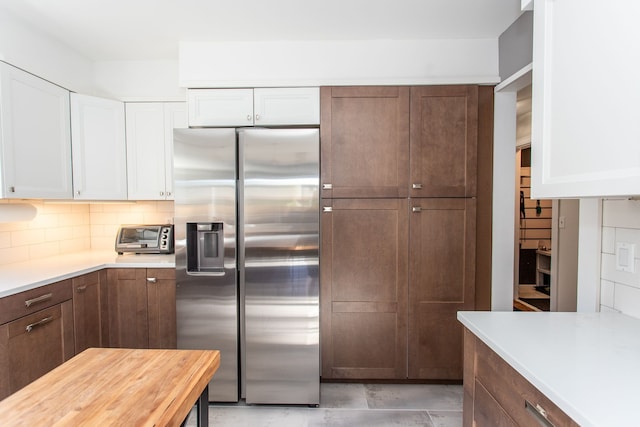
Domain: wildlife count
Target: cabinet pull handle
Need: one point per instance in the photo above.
(538, 413)
(152, 279)
(41, 298)
(38, 323)
(416, 209)
(248, 117)
(257, 116)
(12, 189)
(327, 209)
(416, 186)
(327, 186)
(81, 288)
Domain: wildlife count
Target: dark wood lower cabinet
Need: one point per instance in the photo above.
(496, 395)
(364, 289)
(90, 310)
(142, 311)
(33, 345)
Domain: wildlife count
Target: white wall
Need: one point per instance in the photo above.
(29, 49)
(314, 63)
(620, 291)
(139, 80)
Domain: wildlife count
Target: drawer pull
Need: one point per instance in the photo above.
(41, 298)
(39, 323)
(152, 279)
(81, 288)
(538, 413)
(416, 209)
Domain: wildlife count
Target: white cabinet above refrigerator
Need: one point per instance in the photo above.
(254, 107)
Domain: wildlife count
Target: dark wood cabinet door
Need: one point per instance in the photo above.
(444, 139)
(33, 345)
(364, 133)
(89, 310)
(364, 288)
(161, 294)
(128, 312)
(441, 282)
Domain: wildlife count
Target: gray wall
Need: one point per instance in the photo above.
(516, 45)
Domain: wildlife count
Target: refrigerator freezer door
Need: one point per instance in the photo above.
(280, 174)
(205, 205)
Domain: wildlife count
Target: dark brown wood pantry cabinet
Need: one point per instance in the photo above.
(364, 288)
(365, 141)
(444, 141)
(441, 282)
(398, 260)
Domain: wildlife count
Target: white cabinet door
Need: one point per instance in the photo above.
(149, 131)
(99, 149)
(175, 117)
(586, 127)
(36, 137)
(286, 106)
(220, 107)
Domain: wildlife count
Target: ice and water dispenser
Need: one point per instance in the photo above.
(205, 248)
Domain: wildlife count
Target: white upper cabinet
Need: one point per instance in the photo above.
(254, 107)
(286, 106)
(36, 137)
(585, 114)
(149, 132)
(99, 149)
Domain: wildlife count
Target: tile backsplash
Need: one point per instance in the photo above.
(620, 290)
(60, 228)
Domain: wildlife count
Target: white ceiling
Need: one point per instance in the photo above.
(151, 29)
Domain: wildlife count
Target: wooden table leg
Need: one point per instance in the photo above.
(203, 408)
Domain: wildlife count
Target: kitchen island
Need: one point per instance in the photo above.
(108, 386)
(585, 364)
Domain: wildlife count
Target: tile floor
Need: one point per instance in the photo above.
(370, 405)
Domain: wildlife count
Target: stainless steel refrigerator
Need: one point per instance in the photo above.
(247, 237)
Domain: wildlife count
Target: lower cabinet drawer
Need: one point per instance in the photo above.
(487, 412)
(24, 303)
(524, 404)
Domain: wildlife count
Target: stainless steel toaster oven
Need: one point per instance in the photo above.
(145, 239)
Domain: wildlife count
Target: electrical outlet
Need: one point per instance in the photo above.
(625, 257)
(561, 223)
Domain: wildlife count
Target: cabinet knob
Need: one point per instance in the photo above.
(257, 116)
(168, 193)
(248, 117)
(416, 186)
(12, 189)
(152, 279)
(162, 193)
(78, 192)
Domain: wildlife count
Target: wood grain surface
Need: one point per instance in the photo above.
(110, 387)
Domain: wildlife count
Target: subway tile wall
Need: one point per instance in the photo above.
(619, 290)
(61, 228)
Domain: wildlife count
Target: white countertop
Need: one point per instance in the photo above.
(586, 363)
(27, 275)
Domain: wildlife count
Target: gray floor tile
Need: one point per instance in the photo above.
(352, 405)
(446, 418)
(343, 396)
(414, 396)
(369, 418)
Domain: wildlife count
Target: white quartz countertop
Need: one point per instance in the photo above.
(586, 363)
(27, 275)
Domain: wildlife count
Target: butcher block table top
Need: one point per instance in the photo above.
(112, 386)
